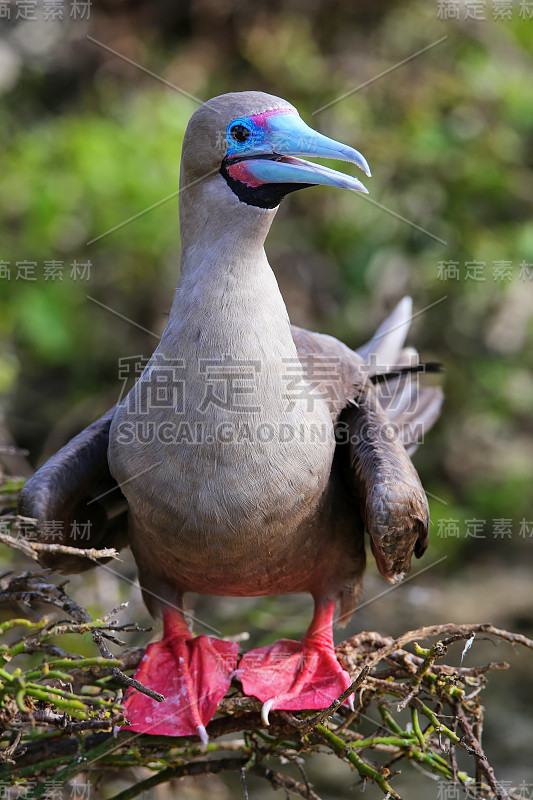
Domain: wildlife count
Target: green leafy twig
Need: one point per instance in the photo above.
(63, 707)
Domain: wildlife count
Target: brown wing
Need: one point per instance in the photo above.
(75, 499)
(379, 470)
(333, 370)
(380, 425)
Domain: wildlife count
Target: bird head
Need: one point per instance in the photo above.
(254, 142)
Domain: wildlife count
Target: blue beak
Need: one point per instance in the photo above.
(268, 154)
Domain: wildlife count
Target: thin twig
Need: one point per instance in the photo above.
(480, 756)
(35, 549)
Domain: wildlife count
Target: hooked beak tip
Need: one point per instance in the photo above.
(362, 163)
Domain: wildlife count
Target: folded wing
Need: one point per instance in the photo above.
(75, 500)
(378, 427)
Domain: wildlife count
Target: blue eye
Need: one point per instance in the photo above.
(243, 135)
(239, 133)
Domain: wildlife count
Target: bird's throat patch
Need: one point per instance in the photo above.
(251, 191)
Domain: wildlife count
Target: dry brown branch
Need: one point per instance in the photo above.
(35, 549)
(483, 764)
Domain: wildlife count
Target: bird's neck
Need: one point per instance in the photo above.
(227, 301)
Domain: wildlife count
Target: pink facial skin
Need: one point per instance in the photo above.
(239, 173)
(260, 119)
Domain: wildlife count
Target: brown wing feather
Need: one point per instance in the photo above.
(379, 471)
(64, 495)
(336, 371)
(393, 503)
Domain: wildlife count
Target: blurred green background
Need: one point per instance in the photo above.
(89, 166)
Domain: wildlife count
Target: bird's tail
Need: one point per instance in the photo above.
(396, 369)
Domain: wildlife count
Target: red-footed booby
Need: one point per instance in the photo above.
(251, 453)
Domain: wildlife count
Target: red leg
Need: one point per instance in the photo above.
(293, 676)
(193, 674)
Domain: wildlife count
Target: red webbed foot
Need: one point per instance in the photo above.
(192, 673)
(293, 676)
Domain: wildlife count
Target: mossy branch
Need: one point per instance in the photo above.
(57, 715)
